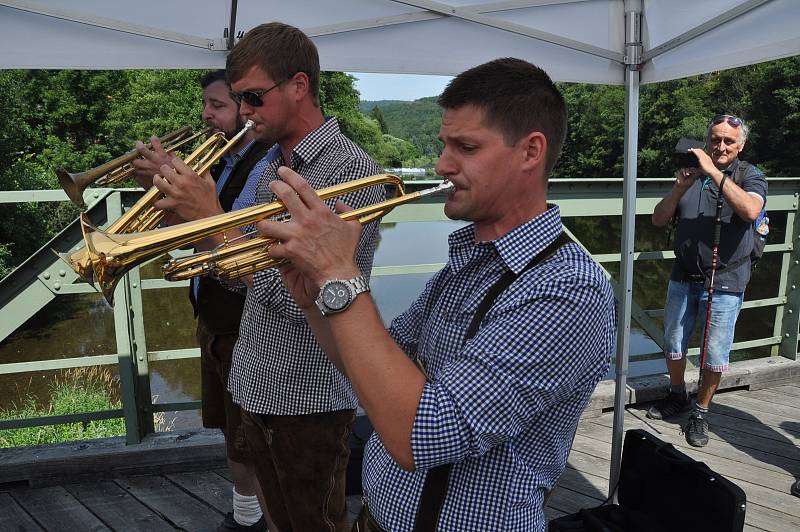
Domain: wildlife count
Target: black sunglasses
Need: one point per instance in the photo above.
(254, 98)
(733, 121)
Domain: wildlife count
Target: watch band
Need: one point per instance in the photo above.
(358, 284)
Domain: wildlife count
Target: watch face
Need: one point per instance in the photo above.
(336, 295)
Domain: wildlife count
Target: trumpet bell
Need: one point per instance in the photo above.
(80, 263)
(73, 186)
(107, 274)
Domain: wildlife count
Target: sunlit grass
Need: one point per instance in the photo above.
(74, 391)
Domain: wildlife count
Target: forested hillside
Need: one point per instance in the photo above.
(767, 96)
(417, 122)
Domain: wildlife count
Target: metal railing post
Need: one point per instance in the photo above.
(788, 316)
(131, 347)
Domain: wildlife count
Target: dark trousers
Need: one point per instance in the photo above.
(300, 463)
(218, 409)
(365, 522)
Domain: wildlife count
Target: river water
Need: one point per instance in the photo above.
(82, 325)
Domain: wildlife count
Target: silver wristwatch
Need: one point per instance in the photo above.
(337, 294)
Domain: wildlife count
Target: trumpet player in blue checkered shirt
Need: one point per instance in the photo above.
(497, 411)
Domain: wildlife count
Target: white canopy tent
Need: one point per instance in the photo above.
(574, 40)
(593, 41)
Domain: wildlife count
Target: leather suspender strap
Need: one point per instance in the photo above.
(508, 278)
(435, 488)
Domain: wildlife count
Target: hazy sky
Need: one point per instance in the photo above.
(398, 86)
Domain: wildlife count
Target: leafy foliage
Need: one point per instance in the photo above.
(767, 96)
(79, 119)
(339, 97)
(595, 132)
(378, 116)
(76, 120)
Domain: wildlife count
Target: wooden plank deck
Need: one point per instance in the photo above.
(754, 443)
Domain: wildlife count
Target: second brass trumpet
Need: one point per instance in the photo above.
(113, 255)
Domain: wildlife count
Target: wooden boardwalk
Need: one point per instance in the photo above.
(754, 443)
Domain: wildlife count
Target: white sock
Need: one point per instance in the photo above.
(246, 509)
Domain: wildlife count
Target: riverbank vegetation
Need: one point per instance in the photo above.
(73, 391)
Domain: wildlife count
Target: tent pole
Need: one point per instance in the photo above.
(232, 25)
(633, 46)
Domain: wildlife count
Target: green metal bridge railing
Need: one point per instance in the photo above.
(43, 278)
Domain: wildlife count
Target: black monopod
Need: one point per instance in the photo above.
(714, 256)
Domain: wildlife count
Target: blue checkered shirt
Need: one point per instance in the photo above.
(503, 406)
(278, 367)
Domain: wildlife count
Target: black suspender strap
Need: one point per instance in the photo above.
(435, 488)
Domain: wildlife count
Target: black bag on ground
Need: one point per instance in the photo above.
(662, 489)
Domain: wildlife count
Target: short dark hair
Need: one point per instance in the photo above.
(212, 77)
(280, 50)
(516, 97)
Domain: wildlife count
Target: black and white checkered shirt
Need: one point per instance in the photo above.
(278, 367)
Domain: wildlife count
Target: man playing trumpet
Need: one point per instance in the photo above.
(496, 412)
(231, 186)
(297, 408)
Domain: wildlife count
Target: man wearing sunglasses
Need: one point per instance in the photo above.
(692, 202)
(297, 408)
(231, 186)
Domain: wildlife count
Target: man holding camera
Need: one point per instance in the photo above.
(692, 202)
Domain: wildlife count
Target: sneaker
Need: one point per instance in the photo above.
(229, 524)
(795, 489)
(696, 430)
(674, 403)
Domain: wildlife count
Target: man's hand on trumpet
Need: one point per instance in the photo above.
(319, 245)
(150, 161)
(187, 196)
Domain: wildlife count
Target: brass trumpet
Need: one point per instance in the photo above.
(112, 255)
(119, 169)
(143, 215)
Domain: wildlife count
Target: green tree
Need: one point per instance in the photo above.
(378, 116)
(79, 119)
(417, 122)
(771, 92)
(76, 120)
(595, 130)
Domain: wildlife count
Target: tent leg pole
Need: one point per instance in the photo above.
(626, 270)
